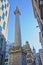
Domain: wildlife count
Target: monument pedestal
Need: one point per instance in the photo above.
(17, 56)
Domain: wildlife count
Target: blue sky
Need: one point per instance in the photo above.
(28, 23)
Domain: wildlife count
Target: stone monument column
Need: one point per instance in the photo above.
(17, 27)
(17, 55)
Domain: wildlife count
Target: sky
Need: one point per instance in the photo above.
(28, 23)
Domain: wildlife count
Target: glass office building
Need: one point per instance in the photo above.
(8, 46)
(4, 15)
(2, 49)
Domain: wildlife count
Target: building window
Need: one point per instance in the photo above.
(0, 29)
(41, 10)
(4, 0)
(40, 2)
(6, 13)
(4, 24)
(29, 61)
(5, 6)
(0, 18)
(1, 59)
(6, 64)
(6, 60)
(1, 42)
(2, 7)
(29, 56)
(1, 0)
(36, 1)
(3, 16)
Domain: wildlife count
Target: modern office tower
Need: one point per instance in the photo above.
(4, 15)
(38, 12)
(17, 56)
(29, 56)
(8, 46)
(2, 49)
